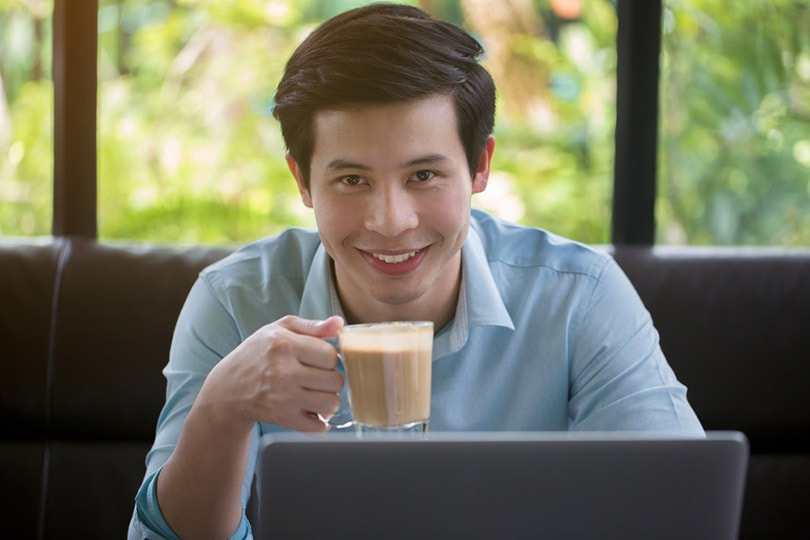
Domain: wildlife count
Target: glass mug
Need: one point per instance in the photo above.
(387, 367)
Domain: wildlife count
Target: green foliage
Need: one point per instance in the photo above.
(557, 167)
(26, 111)
(188, 151)
(26, 163)
(734, 164)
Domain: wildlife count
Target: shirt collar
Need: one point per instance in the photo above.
(319, 299)
(480, 302)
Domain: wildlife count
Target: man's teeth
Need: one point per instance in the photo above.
(393, 259)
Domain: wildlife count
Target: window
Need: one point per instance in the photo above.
(169, 139)
(734, 162)
(555, 69)
(180, 145)
(26, 112)
(188, 150)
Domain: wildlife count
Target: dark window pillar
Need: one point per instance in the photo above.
(638, 45)
(75, 40)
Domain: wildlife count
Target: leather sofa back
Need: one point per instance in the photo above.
(735, 325)
(86, 329)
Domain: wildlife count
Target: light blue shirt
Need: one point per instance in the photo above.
(548, 335)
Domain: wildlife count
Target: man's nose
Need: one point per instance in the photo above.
(391, 211)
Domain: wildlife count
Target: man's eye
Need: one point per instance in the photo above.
(423, 176)
(351, 180)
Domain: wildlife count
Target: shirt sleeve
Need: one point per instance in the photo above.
(620, 380)
(204, 334)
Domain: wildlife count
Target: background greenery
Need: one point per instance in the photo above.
(188, 151)
(735, 125)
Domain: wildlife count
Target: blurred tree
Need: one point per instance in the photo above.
(736, 116)
(26, 109)
(188, 153)
(510, 29)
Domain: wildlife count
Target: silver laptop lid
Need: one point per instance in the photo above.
(502, 485)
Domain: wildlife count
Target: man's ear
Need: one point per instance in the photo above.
(306, 198)
(482, 172)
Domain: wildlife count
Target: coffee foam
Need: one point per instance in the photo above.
(389, 337)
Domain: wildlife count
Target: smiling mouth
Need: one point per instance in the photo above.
(395, 259)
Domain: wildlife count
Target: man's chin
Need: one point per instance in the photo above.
(398, 298)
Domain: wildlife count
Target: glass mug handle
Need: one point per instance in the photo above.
(342, 419)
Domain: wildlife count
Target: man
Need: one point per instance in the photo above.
(388, 118)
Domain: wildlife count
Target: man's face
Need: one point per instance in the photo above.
(391, 190)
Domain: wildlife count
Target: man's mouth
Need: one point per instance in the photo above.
(395, 264)
(395, 259)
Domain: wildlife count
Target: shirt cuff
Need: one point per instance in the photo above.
(148, 521)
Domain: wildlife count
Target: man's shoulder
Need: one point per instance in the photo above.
(288, 253)
(517, 245)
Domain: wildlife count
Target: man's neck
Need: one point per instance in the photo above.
(424, 308)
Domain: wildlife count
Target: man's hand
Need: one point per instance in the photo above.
(283, 374)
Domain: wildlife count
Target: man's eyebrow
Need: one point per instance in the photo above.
(342, 164)
(426, 160)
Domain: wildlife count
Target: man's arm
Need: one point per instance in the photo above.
(217, 384)
(283, 374)
(620, 379)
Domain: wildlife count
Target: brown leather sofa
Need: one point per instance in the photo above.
(86, 327)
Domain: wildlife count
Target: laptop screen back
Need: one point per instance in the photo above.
(504, 485)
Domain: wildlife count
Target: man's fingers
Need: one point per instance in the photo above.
(321, 380)
(307, 422)
(315, 328)
(299, 381)
(321, 403)
(303, 340)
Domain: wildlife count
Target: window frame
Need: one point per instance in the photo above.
(75, 90)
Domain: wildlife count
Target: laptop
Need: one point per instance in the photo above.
(502, 486)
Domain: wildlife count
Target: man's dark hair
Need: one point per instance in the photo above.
(381, 54)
